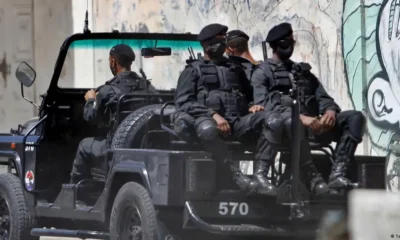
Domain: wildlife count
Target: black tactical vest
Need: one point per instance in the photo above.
(123, 83)
(281, 82)
(127, 82)
(248, 67)
(221, 88)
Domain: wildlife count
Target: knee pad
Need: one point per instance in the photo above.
(274, 122)
(288, 124)
(356, 126)
(288, 128)
(274, 127)
(207, 130)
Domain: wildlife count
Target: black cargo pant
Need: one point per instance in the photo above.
(347, 133)
(349, 127)
(251, 128)
(90, 153)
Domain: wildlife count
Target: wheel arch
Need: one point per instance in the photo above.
(15, 159)
(121, 174)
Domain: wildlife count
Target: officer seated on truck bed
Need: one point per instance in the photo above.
(97, 110)
(238, 50)
(214, 93)
(272, 86)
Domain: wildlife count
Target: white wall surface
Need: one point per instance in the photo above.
(332, 35)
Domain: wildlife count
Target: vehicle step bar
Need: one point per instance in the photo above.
(237, 230)
(82, 234)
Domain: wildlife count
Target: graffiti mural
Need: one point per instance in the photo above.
(372, 59)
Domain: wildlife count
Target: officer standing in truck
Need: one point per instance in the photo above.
(100, 107)
(318, 112)
(216, 94)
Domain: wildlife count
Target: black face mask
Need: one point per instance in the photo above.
(285, 49)
(216, 50)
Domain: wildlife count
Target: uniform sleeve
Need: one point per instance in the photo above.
(325, 102)
(96, 107)
(186, 95)
(271, 100)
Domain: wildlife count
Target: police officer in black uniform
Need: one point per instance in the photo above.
(271, 89)
(100, 106)
(238, 50)
(216, 94)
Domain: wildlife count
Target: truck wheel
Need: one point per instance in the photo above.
(15, 221)
(130, 132)
(133, 215)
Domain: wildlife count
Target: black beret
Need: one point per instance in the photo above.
(236, 33)
(279, 32)
(122, 50)
(211, 31)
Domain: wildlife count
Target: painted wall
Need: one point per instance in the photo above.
(352, 45)
(371, 53)
(352, 48)
(317, 26)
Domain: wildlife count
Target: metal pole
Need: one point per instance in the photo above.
(364, 71)
(295, 141)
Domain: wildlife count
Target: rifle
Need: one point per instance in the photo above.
(298, 78)
(192, 56)
(300, 71)
(264, 49)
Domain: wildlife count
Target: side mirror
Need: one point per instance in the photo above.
(25, 74)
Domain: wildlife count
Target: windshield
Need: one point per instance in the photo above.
(87, 65)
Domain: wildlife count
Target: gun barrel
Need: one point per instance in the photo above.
(264, 49)
(192, 53)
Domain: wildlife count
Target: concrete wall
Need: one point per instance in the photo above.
(317, 25)
(352, 45)
(54, 21)
(352, 48)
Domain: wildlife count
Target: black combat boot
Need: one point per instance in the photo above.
(344, 152)
(314, 179)
(337, 179)
(246, 184)
(265, 187)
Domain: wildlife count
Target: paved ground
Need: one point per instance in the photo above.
(55, 238)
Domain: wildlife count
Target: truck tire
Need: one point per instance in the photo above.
(130, 132)
(12, 204)
(133, 213)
